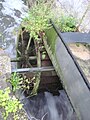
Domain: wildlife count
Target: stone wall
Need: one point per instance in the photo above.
(5, 68)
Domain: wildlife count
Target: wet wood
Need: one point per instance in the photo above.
(38, 76)
(41, 67)
(72, 77)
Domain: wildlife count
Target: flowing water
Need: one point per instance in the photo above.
(11, 12)
(44, 106)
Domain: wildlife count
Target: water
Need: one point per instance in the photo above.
(44, 106)
(11, 14)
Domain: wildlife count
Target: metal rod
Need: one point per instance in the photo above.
(21, 58)
(34, 69)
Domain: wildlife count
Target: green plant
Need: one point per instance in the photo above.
(15, 79)
(9, 104)
(67, 23)
(37, 19)
(22, 82)
(27, 84)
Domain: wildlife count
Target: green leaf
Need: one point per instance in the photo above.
(43, 56)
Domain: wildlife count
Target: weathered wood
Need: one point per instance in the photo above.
(28, 44)
(19, 52)
(72, 79)
(72, 37)
(35, 49)
(38, 76)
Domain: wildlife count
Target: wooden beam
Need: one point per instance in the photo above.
(38, 76)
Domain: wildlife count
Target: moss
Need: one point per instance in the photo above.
(51, 38)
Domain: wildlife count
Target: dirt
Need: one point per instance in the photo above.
(82, 55)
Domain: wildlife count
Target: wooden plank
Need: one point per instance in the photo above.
(71, 77)
(72, 37)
